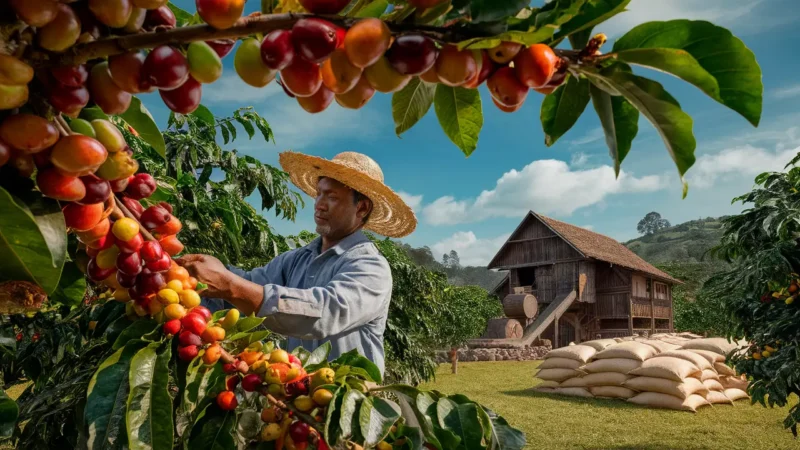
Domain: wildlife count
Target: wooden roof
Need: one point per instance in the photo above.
(597, 246)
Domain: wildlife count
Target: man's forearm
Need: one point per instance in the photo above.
(245, 295)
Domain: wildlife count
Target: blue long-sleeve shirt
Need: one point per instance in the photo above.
(341, 295)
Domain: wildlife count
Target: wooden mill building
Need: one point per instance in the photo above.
(586, 285)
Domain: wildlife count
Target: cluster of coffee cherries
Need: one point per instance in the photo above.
(281, 376)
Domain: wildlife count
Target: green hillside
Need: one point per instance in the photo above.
(686, 242)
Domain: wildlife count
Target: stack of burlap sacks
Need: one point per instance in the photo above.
(670, 371)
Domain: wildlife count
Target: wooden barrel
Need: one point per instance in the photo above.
(503, 328)
(520, 305)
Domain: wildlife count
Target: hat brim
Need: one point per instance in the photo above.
(390, 216)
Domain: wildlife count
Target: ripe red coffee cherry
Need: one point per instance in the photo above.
(71, 76)
(412, 54)
(506, 88)
(151, 251)
(277, 50)
(165, 68)
(314, 39)
(535, 65)
(185, 98)
(129, 263)
(188, 353)
(222, 46)
(161, 264)
(202, 311)
(251, 382)
(142, 185)
(172, 327)
(154, 217)
(189, 338)
(194, 323)
(97, 190)
(226, 400)
(161, 16)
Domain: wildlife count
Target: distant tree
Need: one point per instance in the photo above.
(652, 223)
(446, 260)
(455, 261)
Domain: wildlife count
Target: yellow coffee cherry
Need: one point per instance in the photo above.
(189, 299)
(107, 258)
(125, 229)
(175, 285)
(174, 311)
(167, 297)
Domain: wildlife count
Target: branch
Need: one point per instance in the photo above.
(246, 26)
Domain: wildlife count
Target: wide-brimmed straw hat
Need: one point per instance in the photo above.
(390, 216)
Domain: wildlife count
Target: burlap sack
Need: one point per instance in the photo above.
(599, 344)
(545, 390)
(560, 363)
(661, 385)
(628, 350)
(709, 356)
(675, 369)
(736, 394)
(724, 369)
(733, 383)
(658, 400)
(606, 379)
(716, 345)
(718, 398)
(713, 385)
(611, 392)
(580, 353)
(620, 365)
(690, 356)
(573, 392)
(548, 384)
(660, 346)
(709, 374)
(558, 375)
(574, 382)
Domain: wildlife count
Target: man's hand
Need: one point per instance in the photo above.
(211, 271)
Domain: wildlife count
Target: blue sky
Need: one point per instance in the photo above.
(473, 204)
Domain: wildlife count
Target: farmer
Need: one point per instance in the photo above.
(335, 289)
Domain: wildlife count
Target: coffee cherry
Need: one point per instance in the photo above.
(314, 39)
(165, 68)
(220, 14)
(536, 65)
(412, 54)
(277, 50)
(185, 99)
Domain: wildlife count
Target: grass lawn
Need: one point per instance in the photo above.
(557, 422)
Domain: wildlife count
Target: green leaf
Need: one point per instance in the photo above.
(319, 355)
(302, 354)
(135, 331)
(701, 53)
(660, 108)
(139, 118)
(353, 359)
(33, 240)
(9, 412)
(562, 109)
(462, 420)
(93, 112)
(620, 122)
(348, 419)
(333, 431)
(374, 9)
(591, 14)
(460, 115)
(214, 430)
(411, 103)
(408, 396)
(71, 286)
(248, 323)
(149, 416)
(106, 399)
(376, 418)
(182, 17)
(504, 437)
(489, 10)
(203, 383)
(205, 115)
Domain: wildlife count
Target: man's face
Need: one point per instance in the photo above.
(335, 212)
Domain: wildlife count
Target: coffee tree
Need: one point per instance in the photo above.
(166, 372)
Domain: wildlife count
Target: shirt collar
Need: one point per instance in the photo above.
(344, 245)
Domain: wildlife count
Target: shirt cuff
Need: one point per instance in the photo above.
(278, 299)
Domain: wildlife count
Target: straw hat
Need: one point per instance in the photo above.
(390, 216)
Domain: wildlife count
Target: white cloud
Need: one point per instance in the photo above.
(786, 92)
(592, 135)
(471, 250)
(745, 161)
(231, 89)
(746, 16)
(579, 159)
(546, 186)
(413, 201)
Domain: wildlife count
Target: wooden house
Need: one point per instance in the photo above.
(587, 285)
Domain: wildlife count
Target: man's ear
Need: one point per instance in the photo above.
(364, 209)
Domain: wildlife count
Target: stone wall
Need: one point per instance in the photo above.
(496, 354)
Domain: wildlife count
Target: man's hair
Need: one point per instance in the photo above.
(357, 197)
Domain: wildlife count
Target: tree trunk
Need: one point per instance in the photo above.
(454, 360)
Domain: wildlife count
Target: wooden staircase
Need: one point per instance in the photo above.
(550, 314)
